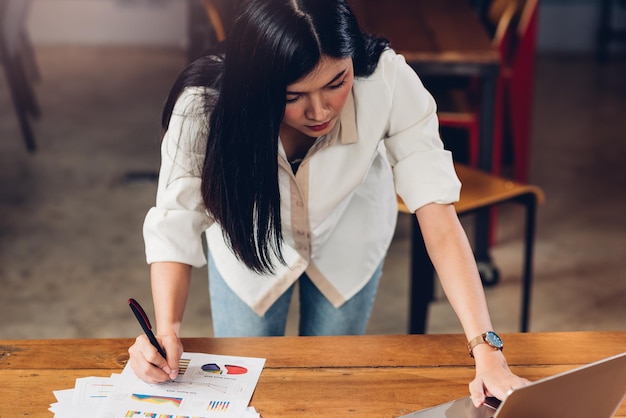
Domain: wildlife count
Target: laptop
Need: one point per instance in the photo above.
(595, 390)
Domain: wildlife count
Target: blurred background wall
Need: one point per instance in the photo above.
(565, 25)
(119, 22)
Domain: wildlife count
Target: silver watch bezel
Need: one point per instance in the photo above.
(493, 340)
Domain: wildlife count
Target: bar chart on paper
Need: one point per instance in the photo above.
(218, 406)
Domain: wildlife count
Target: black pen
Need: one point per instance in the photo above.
(145, 324)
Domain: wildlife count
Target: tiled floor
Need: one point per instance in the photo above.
(71, 251)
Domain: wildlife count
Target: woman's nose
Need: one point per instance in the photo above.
(317, 110)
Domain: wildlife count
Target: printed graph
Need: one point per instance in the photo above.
(219, 386)
(218, 406)
(100, 390)
(214, 368)
(158, 400)
(183, 364)
(136, 414)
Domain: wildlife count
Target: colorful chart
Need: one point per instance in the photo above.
(230, 369)
(236, 369)
(212, 368)
(218, 406)
(183, 364)
(101, 390)
(160, 400)
(132, 414)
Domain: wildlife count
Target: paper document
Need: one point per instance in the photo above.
(207, 386)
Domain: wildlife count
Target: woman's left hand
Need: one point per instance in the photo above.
(493, 376)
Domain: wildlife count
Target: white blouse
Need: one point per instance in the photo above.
(338, 211)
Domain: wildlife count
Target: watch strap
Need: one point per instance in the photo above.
(480, 339)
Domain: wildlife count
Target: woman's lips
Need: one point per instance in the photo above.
(319, 127)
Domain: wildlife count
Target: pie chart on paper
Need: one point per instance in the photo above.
(227, 369)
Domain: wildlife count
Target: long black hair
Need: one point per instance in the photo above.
(270, 44)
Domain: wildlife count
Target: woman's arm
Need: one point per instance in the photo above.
(454, 262)
(170, 287)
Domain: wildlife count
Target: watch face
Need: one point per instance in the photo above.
(493, 339)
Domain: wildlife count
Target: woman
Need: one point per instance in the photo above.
(288, 147)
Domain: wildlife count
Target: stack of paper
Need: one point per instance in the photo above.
(208, 386)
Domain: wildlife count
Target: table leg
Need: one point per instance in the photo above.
(422, 281)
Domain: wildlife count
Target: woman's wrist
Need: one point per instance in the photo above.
(171, 329)
(487, 357)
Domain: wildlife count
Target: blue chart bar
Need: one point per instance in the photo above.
(218, 406)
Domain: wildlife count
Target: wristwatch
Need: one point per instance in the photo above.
(490, 338)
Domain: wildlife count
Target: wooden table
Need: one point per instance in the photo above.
(364, 376)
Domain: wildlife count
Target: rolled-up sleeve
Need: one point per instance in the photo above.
(423, 169)
(173, 228)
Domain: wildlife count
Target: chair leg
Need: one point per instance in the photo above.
(498, 135)
(27, 131)
(493, 226)
(22, 108)
(473, 139)
(23, 81)
(29, 60)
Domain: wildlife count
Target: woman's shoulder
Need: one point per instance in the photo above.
(193, 100)
(196, 88)
(389, 55)
(393, 87)
(389, 64)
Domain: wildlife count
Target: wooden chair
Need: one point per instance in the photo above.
(514, 35)
(458, 104)
(20, 67)
(216, 13)
(209, 21)
(480, 190)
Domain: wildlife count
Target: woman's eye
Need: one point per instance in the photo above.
(292, 99)
(336, 86)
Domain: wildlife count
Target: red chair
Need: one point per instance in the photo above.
(519, 82)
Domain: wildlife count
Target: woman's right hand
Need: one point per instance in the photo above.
(149, 365)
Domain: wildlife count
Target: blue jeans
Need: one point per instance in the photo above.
(233, 318)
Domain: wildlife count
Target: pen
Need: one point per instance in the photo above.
(145, 324)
